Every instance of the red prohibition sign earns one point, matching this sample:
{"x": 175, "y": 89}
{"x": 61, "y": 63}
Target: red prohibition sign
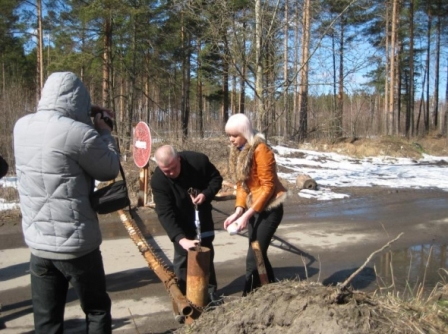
{"x": 141, "y": 148}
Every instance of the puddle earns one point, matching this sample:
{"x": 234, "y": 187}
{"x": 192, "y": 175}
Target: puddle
{"x": 362, "y": 210}
{"x": 412, "y": 271}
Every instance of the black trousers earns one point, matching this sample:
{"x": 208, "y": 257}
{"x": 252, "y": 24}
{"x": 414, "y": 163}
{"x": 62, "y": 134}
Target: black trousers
{"x": 49, "y": 285}
{"x": 180, "y": 262}
{"x": 261, "y": 227}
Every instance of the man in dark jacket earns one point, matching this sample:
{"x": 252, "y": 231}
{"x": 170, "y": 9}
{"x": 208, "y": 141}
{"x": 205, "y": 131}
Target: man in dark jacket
{"x": 59, "y": 153}
{"x": 176, "y": 173}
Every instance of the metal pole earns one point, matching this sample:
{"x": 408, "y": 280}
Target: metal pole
{"x": 198, "y": 273}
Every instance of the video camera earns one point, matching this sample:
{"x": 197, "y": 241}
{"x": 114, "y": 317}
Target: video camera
{"x": 96, "y": 111}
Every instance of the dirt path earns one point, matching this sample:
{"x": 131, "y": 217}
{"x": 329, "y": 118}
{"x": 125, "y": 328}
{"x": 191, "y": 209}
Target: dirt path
{"x": 331, "y": 238}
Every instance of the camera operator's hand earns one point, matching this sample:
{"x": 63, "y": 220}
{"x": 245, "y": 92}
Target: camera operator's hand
{"x": 94, "y": 110}
{"x": 102, "y": 117}
{"x": 100, "y": 123}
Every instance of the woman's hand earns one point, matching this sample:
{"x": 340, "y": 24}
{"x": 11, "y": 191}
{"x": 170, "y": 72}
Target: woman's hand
{"x": 238, "y": 212}
{"x": 230, "y": 220}
{"x": 243, "y": 220}
{"x": 242, "y": 223}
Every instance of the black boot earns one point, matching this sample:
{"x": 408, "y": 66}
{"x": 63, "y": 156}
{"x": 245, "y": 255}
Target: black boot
{"x": 214, "y": 299}
{"x": 252, "y": 283}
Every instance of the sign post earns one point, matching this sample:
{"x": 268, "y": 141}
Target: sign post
{"x": 141, "y": 150}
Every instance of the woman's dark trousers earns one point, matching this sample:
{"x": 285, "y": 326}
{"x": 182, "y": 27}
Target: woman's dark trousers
{"x": 261, "y": 227}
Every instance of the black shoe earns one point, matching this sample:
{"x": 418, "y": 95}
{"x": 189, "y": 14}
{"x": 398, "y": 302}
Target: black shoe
{"x": 215, "y": 300}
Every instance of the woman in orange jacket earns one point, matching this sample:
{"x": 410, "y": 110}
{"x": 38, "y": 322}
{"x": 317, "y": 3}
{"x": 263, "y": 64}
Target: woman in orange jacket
{"x": 259, "y": 194}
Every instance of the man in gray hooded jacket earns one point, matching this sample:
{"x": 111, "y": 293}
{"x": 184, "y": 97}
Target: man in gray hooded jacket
{"x": 59, "y": 153}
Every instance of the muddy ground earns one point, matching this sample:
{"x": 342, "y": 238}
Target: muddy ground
{"x": 301, "y": 306}
{"x": 304, "y": 308}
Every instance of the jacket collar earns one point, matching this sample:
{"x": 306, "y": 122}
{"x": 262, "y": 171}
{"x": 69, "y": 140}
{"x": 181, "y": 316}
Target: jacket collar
{"x": 240, "y": 161}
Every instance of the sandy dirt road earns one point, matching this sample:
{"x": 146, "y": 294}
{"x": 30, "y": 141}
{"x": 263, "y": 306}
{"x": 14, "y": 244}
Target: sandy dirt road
{"x": 319, "y": 241}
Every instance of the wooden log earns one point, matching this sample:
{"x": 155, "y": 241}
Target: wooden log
{"x": 228, "y": 184}
{"x": 225, "y": 195}
{"x": 304, "y": 181}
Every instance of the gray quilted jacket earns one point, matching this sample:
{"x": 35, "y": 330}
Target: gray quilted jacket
{"x": 58, "y": 155}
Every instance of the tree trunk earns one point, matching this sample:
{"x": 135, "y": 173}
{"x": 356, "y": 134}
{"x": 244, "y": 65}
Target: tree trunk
{"x": 303, "y": 90}
{"x": 398, "y": 81}
{"x": 40, "y": 60}
{"x": 338, "y": 131}
{"x": 335, "y": 81}
{"x": 296, "y": 69}
{"x": 233, "y": 100}
{"x": 428, "y": 63}
{"x": 225, "y": 92}
{"x": 242, "y": 100}
{"x": 386, "y": 70}
{"x": 392, "y": 72}
{"x": 199, "y": 92}
{"x": 106, "y": 59}
{"x": 410, "y": 115}
{"x": 446, "y": 106}
{"x": 437, "y": 68}
{"x": 259, "y": 65}
{"x": 185, "y": 103}
{"x": 286, "y": 111}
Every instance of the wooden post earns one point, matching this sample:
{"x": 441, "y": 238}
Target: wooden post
{"x": 143, "y": 191}
{"x": 260, "y": 263}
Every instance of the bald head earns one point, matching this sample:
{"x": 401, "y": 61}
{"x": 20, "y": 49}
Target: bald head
{"x": 168, "y": 161}
{"x": 164, "y": 154}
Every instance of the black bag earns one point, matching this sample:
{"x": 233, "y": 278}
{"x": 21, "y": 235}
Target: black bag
{"x": 112, "y": 197}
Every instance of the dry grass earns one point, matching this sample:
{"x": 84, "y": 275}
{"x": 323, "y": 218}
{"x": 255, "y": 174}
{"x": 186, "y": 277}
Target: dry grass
{"x": 9, "y": 194}
{"x": 418, "y": 315}
{"x": 384, "y": 146}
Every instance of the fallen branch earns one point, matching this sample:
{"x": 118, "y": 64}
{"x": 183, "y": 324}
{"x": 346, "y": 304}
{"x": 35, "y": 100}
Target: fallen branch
{"x": 342, "y": 287}
{"x": 347, "y": 281}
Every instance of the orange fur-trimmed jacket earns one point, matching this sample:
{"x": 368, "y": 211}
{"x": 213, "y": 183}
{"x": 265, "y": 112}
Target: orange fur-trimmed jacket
{"x": 255, "y": 172}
